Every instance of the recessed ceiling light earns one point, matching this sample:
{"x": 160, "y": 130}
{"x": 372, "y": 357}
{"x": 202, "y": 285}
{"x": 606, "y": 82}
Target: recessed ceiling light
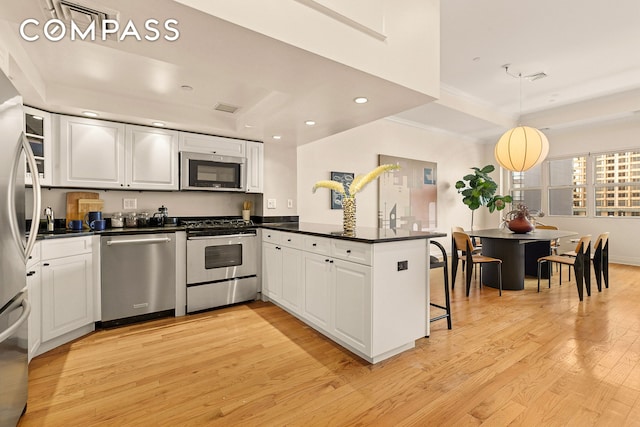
{"x": 476, "y": 59}
{"x": 248, "y": 126}
{"x": 277, "y": 137}
{"x": 158, "y": 124}
{"x": 37, "y": 117}
{"x": 90, "y": 114}
{"x": 360, "y": 100}
{"x": 186, "y": 88}
{"x": 309, "y": 123}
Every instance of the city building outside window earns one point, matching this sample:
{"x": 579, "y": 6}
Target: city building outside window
{"x": 617, "y": 184}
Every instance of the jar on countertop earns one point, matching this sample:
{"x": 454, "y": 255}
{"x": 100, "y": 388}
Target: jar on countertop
{"x": 117, "y": 220}
{"x": 131, "y": 220}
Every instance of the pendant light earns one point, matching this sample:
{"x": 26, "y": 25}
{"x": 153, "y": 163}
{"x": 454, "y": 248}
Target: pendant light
{"x": 523, "y": 147}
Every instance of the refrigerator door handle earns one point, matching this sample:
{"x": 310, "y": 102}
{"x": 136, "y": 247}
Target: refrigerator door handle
{"x": 23, "y": 145}
{"x": 26, "y": 309}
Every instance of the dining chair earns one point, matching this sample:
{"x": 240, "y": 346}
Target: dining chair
{"x": 460, "y": 255}
{"x": 599, "y": 259}
{"x": 580, "y": 265}
{"x": 555, "y": 243}
{"x": 462, "y": 242}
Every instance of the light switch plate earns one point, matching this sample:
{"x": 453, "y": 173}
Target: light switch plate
{"x": 129, "y": 203}
{"x": 271, "y": 203}
{"x": 289, "y": 203}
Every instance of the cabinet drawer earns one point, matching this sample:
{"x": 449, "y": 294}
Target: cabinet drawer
{"x": 352, "y": 251}
{"x": 64, "y": 247}
{"x": 318, "y": 245}
{"x": 291, "y": 240}
{"x": 271, "y": 236}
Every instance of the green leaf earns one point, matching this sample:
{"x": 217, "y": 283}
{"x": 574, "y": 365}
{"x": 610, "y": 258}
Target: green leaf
{"x": 460, "y": 185}
{"x": 488, "y": 169}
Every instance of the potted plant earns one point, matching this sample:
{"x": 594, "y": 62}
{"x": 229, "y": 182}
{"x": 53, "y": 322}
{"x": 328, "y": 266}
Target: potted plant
{"x": 479, "y": 189}
{"x": 521, "y": 219}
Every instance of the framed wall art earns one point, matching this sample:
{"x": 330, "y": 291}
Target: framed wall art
{"x": 345, "y": 178}
{"x": 407, "y": 197}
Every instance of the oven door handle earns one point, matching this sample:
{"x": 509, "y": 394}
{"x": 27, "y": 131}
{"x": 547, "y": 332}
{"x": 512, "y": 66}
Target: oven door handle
{"x": 222, "y": 236}
{"x": 138, "y": 241}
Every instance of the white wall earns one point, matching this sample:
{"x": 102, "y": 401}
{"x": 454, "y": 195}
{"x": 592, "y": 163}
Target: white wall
{"x": 357, "y": 150}
{"x": 184, "y": 203}
{"x": 279, "y": 179}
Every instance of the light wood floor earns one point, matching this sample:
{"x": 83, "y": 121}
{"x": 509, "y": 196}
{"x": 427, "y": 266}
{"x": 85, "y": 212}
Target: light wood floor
{"x": 524, "y": 359}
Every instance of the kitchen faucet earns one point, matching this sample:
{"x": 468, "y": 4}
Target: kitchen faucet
{"x": 50, "y": 219}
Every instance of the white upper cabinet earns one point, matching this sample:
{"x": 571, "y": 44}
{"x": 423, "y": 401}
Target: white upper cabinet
{"x": 197, "y": 143}
{"x": 91, "y": 153}
{"x": 255, "y": 167}
{"x": 38, "y": 129}
{"x": 151, "y": 157}
{"x": 102, "y": 154}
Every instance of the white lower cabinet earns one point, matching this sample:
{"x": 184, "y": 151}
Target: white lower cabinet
{"x": 355, "y": 293}
{"x": 272, "y": 271}
{"x": 281, "y": 270}
{"x": 67, "y": 290}
{"x": 316, "y": 285}
{"x": 351, "y": 293}
{"x": 34, "y": 294}
{"x": 337, "y": 298}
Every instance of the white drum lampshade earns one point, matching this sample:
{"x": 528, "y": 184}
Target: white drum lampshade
{"x": 521, "y": 148}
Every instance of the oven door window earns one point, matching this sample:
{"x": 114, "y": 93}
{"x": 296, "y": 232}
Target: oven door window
{"x": 222, "y": 256}
{"x": 205, "y": 173}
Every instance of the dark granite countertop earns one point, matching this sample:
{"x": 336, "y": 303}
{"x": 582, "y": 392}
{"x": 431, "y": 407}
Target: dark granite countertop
{"x": 61, "y": 233}
{"x": 362, "y": 234}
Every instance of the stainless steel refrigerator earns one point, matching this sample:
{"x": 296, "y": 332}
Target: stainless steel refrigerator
{"x": 15, "y": 249}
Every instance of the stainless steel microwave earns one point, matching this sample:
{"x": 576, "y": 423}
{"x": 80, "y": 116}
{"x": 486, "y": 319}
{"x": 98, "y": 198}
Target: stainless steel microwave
{"x": 211, "y": 172}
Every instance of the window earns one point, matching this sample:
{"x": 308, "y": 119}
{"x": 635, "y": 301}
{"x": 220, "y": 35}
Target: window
{"x": 617, "y": 191}
{"x": 526, "y": 188}
{"x": 567, "y": 186}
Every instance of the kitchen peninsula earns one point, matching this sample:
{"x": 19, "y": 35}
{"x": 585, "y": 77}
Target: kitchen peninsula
{"x": 368, "y": 292}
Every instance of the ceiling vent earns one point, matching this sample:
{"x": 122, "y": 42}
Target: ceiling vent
{"x": 535, "y": 76}
{"x": 81, "y": 14}
{"x": 226, "y": 108}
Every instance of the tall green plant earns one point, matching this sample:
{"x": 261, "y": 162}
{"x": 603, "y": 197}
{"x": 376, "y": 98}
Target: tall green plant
{"x": 479, "y": 189}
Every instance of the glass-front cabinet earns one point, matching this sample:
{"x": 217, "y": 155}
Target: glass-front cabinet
{"x": 38, "y": 132}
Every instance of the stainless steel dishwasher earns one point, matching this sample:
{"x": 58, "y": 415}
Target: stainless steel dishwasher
{"x": 138, "y": 277}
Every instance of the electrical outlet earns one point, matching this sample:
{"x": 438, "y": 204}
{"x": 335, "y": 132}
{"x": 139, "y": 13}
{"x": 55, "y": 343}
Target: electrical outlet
{"x": 129, "y": 203}
{"x": 271, "y": 203}
{"x": 289, "y": 203}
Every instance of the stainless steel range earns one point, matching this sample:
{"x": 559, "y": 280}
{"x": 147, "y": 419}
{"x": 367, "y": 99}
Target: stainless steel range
{"x": 222, "y": 263}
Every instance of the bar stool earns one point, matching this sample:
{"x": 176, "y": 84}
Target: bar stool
{"x": 434, "y": 262}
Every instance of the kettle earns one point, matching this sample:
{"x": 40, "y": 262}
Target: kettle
{"x": 160, "y": 217}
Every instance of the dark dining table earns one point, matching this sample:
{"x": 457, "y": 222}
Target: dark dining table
{"x": 519, "y": 254}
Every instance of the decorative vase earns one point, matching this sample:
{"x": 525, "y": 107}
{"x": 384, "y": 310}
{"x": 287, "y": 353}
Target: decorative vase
{"x": 520, "y": 225}
{"x": 349, "y": 215}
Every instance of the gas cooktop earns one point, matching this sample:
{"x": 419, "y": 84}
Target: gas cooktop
{"x": 215, "y": 226}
